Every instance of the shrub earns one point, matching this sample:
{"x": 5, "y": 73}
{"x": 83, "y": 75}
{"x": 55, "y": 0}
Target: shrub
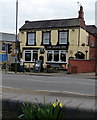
{"x": 43, "y": 111}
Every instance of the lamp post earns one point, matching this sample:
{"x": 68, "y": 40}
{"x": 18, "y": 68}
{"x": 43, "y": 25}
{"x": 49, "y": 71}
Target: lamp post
{"x": 16, "y": 36}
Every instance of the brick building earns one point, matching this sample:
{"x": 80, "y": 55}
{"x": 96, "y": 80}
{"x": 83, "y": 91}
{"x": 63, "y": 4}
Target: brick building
{"x": 7, "y": 38}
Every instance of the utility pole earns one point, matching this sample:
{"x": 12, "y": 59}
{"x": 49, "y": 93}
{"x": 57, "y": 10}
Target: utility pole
{"x": 6, "y": 57}
{"x": 16, "y": 36}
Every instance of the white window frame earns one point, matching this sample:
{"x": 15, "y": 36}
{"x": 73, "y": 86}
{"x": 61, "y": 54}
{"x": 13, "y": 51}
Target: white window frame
{"x": 52, "y": 51}
{"x": 46, "y": 38}
{"x": 65, "y": 38}
{"x": 31, "y": 51}
{"x": 31, "y": 37}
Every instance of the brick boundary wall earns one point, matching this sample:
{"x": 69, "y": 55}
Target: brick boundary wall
{"x": 81, "y": 66}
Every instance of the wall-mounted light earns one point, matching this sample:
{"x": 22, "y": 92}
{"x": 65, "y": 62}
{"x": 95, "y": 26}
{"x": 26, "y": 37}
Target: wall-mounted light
{"x": 41, "y": 50}
{"x": 73, "y": 30}
{"x": 22, "y": 32}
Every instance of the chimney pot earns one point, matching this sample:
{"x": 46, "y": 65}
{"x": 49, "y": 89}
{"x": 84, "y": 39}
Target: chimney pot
{"x": 81, "y": 13}
{"x": 26, "y": 21}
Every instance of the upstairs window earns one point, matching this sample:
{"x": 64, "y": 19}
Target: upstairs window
{"x": 31, "y": 38}
{"x": 46, "y": 38}
{"x": 63, "y": 37}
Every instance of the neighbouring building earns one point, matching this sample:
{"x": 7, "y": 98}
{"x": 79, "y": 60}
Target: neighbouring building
{"x": 92, "y": 29}
{"x": 7, "y": 38}
{"x": 55, "y": 41}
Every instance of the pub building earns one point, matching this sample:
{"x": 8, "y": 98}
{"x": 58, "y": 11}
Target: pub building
{"x": 54, "y": 41}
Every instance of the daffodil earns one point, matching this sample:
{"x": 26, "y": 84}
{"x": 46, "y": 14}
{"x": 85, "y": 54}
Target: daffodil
{"x": 58, "y": 101}
{"x": 54, "y": 104}
{"x": 60, "y": 104}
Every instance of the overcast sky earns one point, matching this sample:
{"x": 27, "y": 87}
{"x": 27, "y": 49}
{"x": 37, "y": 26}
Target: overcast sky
{"x": 42, "y": 10}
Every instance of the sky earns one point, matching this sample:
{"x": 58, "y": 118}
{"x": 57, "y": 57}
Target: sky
{"x": 33, "y": 10}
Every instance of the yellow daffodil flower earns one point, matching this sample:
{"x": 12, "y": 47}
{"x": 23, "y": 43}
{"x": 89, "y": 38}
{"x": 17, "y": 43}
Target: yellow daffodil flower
{"x": 54, "y": 104}
{"x": 60, "y": 104}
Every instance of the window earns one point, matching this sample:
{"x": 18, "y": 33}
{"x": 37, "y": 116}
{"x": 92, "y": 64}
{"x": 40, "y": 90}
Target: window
{"x": 35, "y": 55}
{"x": 31, "y": 38}
{"x": 92, "y": 43}
{"x": 49, "y": 56}
{"x": 3, "y": 46}
{"x": 31, "y": 56}
{"x": 27, "y": 55}
{"x": 46, "y": 38}
{"x": 63, "y": 56}
{"x": 63, "y": 37}
{"x": 56, "y": 56}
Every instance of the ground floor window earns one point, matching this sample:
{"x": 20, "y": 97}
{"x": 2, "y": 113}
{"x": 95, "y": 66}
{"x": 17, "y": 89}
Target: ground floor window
{"x": 56, "y": 56}
{"x": 31, "y": 55}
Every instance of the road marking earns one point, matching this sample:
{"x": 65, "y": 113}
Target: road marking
{"x": 51, "y": 91}
{"x": 77, "y": 93}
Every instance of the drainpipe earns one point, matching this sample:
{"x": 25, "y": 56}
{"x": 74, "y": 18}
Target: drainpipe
{"x": 79, "y": 36}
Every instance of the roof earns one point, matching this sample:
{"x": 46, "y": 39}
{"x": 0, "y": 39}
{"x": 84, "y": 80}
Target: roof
{"x": 92, "y": 29}
{"x": 48, "y": 24}
{"x": 7, "y": 37}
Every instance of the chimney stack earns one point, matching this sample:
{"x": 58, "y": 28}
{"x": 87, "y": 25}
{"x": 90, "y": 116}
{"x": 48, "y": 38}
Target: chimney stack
{"x": 81, "y": 13}
{"x": 26, "y": 21}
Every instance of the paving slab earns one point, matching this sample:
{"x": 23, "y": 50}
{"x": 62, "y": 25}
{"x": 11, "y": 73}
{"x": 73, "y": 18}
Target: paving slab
{"x": 87, "y": 105}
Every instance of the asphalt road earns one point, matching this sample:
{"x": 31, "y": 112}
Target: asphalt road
{"x": 50, "y": 83}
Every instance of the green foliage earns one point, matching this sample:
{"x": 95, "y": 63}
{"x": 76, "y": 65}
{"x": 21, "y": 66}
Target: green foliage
{"x": 42, "y": 111}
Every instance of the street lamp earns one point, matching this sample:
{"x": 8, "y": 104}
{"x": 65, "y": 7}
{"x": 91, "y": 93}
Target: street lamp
{"x": 16, "y": 36}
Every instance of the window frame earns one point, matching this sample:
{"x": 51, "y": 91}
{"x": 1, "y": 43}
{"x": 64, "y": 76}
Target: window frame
{"x": 30, "y": 51}
{"x": 28, "y": 43}
{"x": 52, "y": 51}
{"x": 49, "y": 39}
{"x": 59, "y": 39}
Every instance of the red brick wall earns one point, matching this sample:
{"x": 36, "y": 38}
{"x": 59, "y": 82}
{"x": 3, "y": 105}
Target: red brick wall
{"x": 93, "y": 53}
{"x": 93, "y": 49}
{"x": 91, "y": 40}
{"x": 81, "y": 66}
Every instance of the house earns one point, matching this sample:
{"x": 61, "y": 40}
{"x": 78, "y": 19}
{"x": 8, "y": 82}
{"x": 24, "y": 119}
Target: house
{"x": 92, "y": 29}
{"x": 5, "y": 39}
{"x": 55, "y": 41}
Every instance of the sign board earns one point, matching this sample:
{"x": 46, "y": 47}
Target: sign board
{"x": 56, "y": 47}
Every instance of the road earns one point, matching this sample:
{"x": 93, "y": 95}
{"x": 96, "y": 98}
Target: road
{"x": 50, "y": 83}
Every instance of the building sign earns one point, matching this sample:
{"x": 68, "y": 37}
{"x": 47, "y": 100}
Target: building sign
{"x": 56, "y": 47}
{"x": 3, "y": 57}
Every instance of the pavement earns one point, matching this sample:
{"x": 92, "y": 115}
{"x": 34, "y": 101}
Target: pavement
{"x": 75, "y": 106}
{"x": 60, "y": 73}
